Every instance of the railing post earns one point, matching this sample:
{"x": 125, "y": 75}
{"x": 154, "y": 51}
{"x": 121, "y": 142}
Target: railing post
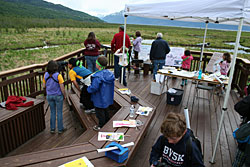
{"x": 32, "y": 83}
{"x": 5, "y": 90}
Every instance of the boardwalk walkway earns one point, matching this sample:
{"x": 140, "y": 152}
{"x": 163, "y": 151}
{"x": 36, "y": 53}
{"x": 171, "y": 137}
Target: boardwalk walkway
{"x": 204, "y": 118}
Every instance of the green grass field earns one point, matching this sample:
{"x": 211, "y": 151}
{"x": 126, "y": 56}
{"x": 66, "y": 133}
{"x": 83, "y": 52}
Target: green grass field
{"x": 70, "y": 39}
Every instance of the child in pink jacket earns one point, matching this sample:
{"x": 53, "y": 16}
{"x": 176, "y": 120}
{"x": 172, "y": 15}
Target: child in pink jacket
{"x": 224, "y": 68}
{"x": 225, "y": 63}
{"x": 186, "y": 64}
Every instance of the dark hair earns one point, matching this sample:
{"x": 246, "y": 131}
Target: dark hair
{"x": 227, "y": 57}
{"x": 52, "y": 67}
{"x": 121, "y": 28}
{"x": 91, "y": 36}
{"x": 187, "y": 53}
{"x": 174, "y": 125}
{"x": 137, "y": 34}
{"x": 102, "y": 60}
{"x": 73, "y": 61}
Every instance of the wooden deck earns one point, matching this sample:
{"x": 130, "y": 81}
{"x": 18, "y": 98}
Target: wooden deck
{"x": 204, "y": 118}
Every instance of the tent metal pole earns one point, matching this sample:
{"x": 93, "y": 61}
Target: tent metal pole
{"x": 203, "y": 45}
{"x": 228, "y": 87}
{"x": 123, "y": 46}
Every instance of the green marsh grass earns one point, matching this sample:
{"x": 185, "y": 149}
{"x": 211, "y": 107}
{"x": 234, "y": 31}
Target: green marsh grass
{"x": 69, "y": 39}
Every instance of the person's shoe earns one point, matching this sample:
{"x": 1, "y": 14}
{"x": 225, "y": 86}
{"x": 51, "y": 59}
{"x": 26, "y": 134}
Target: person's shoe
{"x": 116, "y": 79}
{"x": 61, "y": 131}
{"x": 52, "y": 131}
{"x": 82, "y": 106}
{"x": 96, "y": 128}
{"x": 89, "y": 111}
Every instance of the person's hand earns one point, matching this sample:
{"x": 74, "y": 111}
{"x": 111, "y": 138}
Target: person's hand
{"x": 152, "y": 165}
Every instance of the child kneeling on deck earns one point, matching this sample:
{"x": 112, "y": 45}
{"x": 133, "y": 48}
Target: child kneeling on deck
{"x": 171, "y": 148}
{"x": 102, "y": 91}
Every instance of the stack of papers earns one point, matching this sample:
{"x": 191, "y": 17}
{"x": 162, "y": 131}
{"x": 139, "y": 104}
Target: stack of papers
{"x": 81, "y": 162}
{"x": 144, "y": 110}
{"x": 171, "y": 90}
{"x": 124, "y": 91}
{"x": 110, "y": 136}
{"x": 124, "y": 123}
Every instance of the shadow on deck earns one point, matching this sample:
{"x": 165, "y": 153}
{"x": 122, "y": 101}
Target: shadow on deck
{"x": 204, "y": 118}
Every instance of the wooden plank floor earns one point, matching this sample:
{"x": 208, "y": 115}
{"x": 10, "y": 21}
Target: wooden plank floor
{"x": 204, "y": 118}
{"x": 45, "y": 140}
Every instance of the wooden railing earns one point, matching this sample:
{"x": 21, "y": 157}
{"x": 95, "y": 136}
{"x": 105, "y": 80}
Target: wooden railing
{"x": 27, "y": 81}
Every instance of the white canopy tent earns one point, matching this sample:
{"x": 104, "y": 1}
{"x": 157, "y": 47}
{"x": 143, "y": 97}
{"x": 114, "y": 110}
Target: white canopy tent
{"x": 213, "y": 11}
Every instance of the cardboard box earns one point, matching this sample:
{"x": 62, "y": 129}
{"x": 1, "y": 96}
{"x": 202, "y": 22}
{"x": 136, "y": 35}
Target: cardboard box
{"x": 158, "y": 88}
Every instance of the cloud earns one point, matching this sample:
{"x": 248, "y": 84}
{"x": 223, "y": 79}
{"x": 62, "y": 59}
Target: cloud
{"x": 94, "y": 7}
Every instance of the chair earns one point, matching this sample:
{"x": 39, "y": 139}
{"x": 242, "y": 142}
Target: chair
{"x": 204, "y": 87}
{"x": 136, "y": 65}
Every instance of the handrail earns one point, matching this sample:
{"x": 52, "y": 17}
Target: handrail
{"x": 28, "y": 80}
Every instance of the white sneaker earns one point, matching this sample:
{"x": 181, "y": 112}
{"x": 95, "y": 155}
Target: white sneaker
{"x": 90, "y": 111}
{"x": 96, "y": 128}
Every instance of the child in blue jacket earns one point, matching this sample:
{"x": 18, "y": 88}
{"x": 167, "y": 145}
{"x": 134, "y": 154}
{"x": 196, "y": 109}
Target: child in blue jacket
{"x": 102, "y": 91}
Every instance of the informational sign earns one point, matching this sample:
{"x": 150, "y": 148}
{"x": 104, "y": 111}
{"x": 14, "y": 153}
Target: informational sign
{"x": 144, "y": 53}
{"x": 173, "y": 58}
{"x": 214, "y": 63}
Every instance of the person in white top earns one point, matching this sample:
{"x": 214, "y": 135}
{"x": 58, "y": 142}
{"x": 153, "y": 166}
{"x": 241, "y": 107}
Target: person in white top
{"x": 123, "y": 62}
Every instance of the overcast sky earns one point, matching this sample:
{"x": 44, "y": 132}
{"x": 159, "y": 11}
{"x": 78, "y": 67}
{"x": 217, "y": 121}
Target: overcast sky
{"x": 94, "y": 7}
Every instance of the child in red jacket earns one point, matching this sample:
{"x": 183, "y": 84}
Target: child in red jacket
{"x": 186, "y": 64}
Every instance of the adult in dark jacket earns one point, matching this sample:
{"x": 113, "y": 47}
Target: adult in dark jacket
{"x": 170, "y": 148}
{"x": 159, "y": 50}
{"x": 92, "y": 51}
{"x": 102, "y": 91}
{"x": 242, "y": 135}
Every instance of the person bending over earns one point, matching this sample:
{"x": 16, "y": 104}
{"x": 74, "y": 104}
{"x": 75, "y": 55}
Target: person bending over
{"x": 170, "y": 148}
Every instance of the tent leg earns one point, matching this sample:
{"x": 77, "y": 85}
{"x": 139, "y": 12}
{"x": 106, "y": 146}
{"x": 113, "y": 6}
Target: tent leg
{"x": 123, "y": 46}
{"x": 203, "y": 45}
{"x": 229, "y": 85}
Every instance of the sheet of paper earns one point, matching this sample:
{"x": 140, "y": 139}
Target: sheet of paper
{"x": 81, "y": 162}
{"x": 124, "y": 123}
{"x": 110, "y": 136}
{"x": 144, "y": 110}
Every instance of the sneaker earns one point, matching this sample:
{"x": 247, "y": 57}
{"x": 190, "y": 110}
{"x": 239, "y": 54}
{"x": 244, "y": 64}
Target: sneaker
{"x": 52, "y": 131}
{"x": 61, "y": 131}
{"x": 96, "y": 128}
{"x": 89, "y": 111}
{"x": 82, "y": 106}
{"x": 116, "y": 79}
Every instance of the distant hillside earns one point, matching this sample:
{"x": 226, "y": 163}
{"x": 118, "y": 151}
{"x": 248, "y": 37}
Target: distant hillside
{"x": 118, "y": 18}
{"x": 40, "y": 9}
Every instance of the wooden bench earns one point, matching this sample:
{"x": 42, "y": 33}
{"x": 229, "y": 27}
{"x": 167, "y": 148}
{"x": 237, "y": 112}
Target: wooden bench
{"x": 58, "y": 156}
{"x": 18, "y": 126}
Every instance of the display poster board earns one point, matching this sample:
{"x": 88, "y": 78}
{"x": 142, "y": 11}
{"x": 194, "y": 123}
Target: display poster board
{"x": 173, "y": 58}
{"x": 144, "y": 53}
{"x": 213, "y": 65}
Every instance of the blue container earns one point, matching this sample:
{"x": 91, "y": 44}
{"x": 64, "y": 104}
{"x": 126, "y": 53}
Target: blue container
{"x": 118, "y": 155}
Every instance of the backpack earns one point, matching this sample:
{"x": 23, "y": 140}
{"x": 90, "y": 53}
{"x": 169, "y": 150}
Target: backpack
{"x": 190, "y": 149}
{"x": 243, "y": 107}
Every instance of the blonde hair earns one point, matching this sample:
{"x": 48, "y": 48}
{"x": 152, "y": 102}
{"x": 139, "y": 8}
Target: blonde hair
{"x": 174, "y": 125}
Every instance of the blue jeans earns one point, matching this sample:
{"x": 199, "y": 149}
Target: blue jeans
{"x": 118, "y": 71}
{"x": 91, "y": 63}
{"x": 56, "y": 106}
{"x": 157, "y": 64}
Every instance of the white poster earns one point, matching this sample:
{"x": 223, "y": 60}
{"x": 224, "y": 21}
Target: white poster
{"x": 213, "y": 64}
{"x": 173, "y": 58}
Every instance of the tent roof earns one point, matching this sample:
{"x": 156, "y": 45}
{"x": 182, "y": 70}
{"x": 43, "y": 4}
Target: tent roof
{"x": 216, "y": 11}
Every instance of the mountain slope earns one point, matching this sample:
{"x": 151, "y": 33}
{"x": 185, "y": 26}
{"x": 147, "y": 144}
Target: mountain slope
{"x": 118, "y": 18}
{"x": 41, "y": 9}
